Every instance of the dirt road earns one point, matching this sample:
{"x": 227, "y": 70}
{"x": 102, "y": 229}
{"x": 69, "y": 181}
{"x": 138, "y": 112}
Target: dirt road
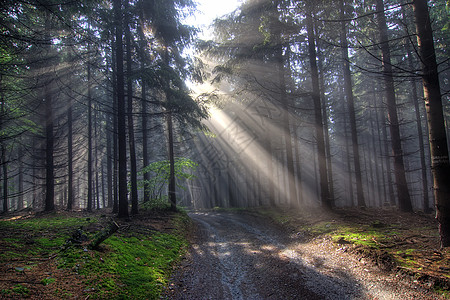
{"x": 243, "y": 256}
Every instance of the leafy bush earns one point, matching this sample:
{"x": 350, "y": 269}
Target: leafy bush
{"x": 160, "y": 176}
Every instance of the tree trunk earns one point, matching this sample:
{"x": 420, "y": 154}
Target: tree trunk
{"x": 70, "y": 154}
{"x": 145, "y": 157}
{"x": 348, "y": 87}
{"x": 172, "y": 192}
{"x": 3, "y": 163}
{"x": 89, "y": 158}
{"x": 109, "y": 163}
{"x": 115, "y": 136}
{"x": 390, "y": 184}
{"x": 349, "y": 163}
{"x": 324, "y": 191}
{"x": 20, "y": 204}
{"x": 49, "y": 137}
{"x": 270, "y": 165}
{"x": 144, "y": 120}
{"x": 377, "y": 161}
{"x": 404, "y": 199}
{"x": 382, "y": 159}
{"x": 5, "y": 179}
{"x": 133, "y": 175}
{"x": 281, "y": 73}
{"x": 415, "y": 100}
{"x": 325, "y": 125}
{"x": 440, "y": 165}
{"x": 121, "y": 129}
{"x": 95, "y": 170}
{"x": 102, "y": 235}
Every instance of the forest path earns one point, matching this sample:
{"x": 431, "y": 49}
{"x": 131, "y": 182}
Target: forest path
{"x": 245, "y": 256}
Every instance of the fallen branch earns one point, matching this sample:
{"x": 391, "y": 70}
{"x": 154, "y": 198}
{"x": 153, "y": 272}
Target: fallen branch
{"x": 102, "y": 235}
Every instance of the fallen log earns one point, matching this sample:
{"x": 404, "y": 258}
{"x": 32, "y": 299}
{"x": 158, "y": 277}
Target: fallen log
{"x": 102, "y": 235}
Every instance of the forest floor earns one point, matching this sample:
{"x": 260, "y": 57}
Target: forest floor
{"x": 287, "y": 254}
{"x": 405, "y": 244}
{"x": 38, "y": 262}
{"x": 242, "y": 254}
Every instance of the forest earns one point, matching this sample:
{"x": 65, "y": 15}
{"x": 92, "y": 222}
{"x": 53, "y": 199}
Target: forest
{"x": 299, "y": 103}
{"x": 123, "y": 105}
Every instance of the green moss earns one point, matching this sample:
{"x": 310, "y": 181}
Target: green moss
{"x": 52, "y": 222}
{"x": 129, "y": 266}
{"x": 405, "y": 258}
{"x": 321, "y": 228}
{"x": 17, "y": 290}
{"x": 50, "y": 243}
{"x": 48, "y": 280}
{"x": 38, "y": 237}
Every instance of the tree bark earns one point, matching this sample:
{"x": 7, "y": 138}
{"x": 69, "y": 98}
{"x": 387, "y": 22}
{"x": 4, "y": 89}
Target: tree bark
{"x": 325, "y": 125}
{"x": 145, "y": 157}
{"x": 415, "y": 99}
{"x": 440, "y": 165}
{"x": 115, "y": 135}
{"x": 109, "y": 163}
{"x": 404, "y": 199}
{"x": 121, "y": 129}
{"x": 20, "y": 204}
{"x": 144, "y": 120}
{"x": 70, "y": 154}
{"x": 3, "y": 163}
{"x": 132, "y": 147}
{"x": 102, "y": 235}
{"x": 89, "y": 158}
{"x": 348, "y": 87}
{"x": 172, "y": 192}
{"x": 281, "y": 73}
{"x": 323, "y": 180}
{"x": 5, "y": 180}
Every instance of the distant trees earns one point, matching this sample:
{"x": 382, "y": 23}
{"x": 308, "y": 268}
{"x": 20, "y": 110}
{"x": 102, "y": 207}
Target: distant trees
{"x": 71, "y": 68}
{"x": 88, "y": 87}
{"x": 365, "y": 78}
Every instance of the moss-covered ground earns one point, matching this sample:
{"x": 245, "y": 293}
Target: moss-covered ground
{"x": 135, "y": 263}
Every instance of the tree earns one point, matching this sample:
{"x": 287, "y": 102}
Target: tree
{"x": 284, "y": 101}
{"x": 438, "y": 141}
{"x": 49, "y": 135}
{"x": 420, "y": 132}
{"x": 348, "y": 88}
{"x": 403, "y": 195}
{"x": 90, "y": 186}
{"x": 172, "y": 37}
{"x": 131, "y": 140}
{"x": 315, "y": 94}
{"x": 121, "y": 129}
